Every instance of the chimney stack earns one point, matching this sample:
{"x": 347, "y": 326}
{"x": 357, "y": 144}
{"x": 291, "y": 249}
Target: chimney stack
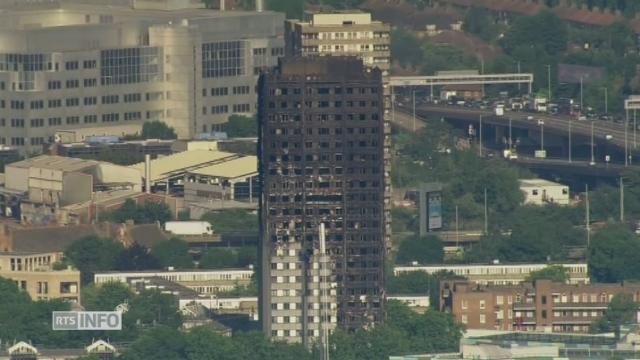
{"x": 222, "y": 5}
{"x": 259, "y": 5}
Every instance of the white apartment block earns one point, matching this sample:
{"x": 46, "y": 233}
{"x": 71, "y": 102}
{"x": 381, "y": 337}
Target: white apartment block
{"x": 108, "y": 66}
{"x": 341, "y": 34}
{"x": 498, "y": 274}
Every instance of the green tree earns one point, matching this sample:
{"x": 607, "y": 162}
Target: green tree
{"x": 404, "y": 219}
{"x": 555, "y": 273}
{"x": 426, "y": 250}
{"x": 159, "y": 343}
{"x": 173, "y": 252}
{"x": 91, "y": 254}
{"x": 479, "y": 21}
{"x": 151, "y": 307}
{"x": 241, "y": 126}
{"x": 621, "y": 310}
{"x": 406, "y": 48}
{"x": 232, "y": 220}
{"x": 136, "y": 257}
{"x": 105, "y": 297}
{"x": 543, "y": 31}
{"x": 614, "y": 254}
{"x": 203, "y": 343}
{"x": 229, "y": 257}
{"x": 147, "y": 213}
{"x": 418, "y": 283}
{"x": 157, "y": 130}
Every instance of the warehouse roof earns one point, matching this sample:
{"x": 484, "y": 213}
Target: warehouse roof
{"x": 186, "y": 161}
{"x": 232, "y": 169}
{"x": 54, "y": 162}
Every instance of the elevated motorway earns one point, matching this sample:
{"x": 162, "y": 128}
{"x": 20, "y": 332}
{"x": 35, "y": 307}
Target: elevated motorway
{"x": 609, "y": 132}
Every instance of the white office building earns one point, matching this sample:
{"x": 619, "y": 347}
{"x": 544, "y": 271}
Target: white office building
{"x": 105, "y": 67}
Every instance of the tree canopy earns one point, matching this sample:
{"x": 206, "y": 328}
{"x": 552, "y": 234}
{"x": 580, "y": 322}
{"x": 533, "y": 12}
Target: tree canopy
{"x": 91, "y": 254}
{"x": 232, "y": 220}
{"x": 425, "y": 250}
{"x": 173, "y": 252}
{"x": 620, "y": 311}
{"x": 157, "y": 130}
{"x": 555, "y": 273}
{"x": 614, "y": 254}
{"x": 241, "y": 126}
{"x": 146, "y": 213}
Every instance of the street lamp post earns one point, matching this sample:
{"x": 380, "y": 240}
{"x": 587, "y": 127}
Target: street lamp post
{"x": 480, "y": 136}
{"x": 549, "y": 81}
{"x": 593, "y": 159}
{"x": 606, "y": 102}
{"x": 413, "y": 95}
{"x": 569, "y": 139}
{"x": 626, "y": 130}
{"x": 581, "y": 97}
{"x": 541, "y": 123}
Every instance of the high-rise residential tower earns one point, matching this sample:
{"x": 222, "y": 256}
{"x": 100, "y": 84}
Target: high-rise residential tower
{"x": 321, "y": 147}
{"x": 107, "y": 66}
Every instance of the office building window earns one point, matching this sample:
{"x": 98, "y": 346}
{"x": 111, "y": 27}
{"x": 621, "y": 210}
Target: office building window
{"x": 220, "y": 91}
{"x": 24, "y": 62}
{"x": 110, "y": 117}
{"x": 37, "y": 123}
{"x": 36, "y": 141}
{"x": 17, "y": 123}
{"x": 90, "y": 100}
{"x": 226, "y": 58}
{"x": 241, "y": 90}
{"x": 17, "y": 141}
{"x": 17, "y": 104}
{"x": 55, "y": 103}
{"x": 90, "y": 82}
{"x": 131, "y": 65}
{"x": 73, "y": 120}
{"x": 72, "y": 84}
{"x": 72, "y": 102}
{"x": 54, "y": 85}
{"x": 133, "y": 115}
{"x": 89, "y": 64}
{"x": 90, "y": 119}
{"x": 71, "y": 65}
{"x": 220, "y": 109}
{"x": 37, "y": 104}
{"x": 55, "y": 121}
{"x": 241, "y": 108}
{"x": 110, "y": 99}
{"x": 134, "y": 97}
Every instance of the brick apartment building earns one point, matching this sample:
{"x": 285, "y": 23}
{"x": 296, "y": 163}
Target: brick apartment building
{"x": 539, "y": 306}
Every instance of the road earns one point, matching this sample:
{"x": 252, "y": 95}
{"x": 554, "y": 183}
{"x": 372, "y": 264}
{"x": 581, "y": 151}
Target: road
{"x": 602, "y": 130}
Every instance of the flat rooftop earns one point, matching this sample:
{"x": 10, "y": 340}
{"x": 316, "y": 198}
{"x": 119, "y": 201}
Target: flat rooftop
{"x": 54, "y": 162}
{"x": 182, "y": 162}
{"x": 49, "y": 14}
{"x": 538, "y": 183}
{"x": 242, "y": 167}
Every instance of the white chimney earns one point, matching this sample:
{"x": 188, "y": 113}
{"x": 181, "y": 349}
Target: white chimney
{"x": 222, "y": 5}
{"x": 259, "y": 5}
{"x": 147, "y": 173}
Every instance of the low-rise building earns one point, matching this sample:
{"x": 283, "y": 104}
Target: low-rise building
{"x": 46, "y": 183}
{"x": 541, "y": 192}
{"x": 23, "y": 350}
{"x": 34, "y": 273}
{"x": 201, "y": 281}
{"x": 418, "y": 302}
{"x": 498, "y": 274}
{"x": 539, "y": 306}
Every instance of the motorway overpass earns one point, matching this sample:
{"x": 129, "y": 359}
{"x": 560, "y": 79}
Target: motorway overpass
{"x": 553, "y": 124}
{"x": 603, "y": 131}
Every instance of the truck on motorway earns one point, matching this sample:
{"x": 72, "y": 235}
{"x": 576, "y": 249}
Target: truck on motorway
{"x": 499, "y": 109}
{"x": 540, "y": 104}
{"x": 188, "y": 227}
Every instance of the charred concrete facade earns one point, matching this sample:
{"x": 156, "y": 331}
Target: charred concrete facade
{"x": 321, "y": 156}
